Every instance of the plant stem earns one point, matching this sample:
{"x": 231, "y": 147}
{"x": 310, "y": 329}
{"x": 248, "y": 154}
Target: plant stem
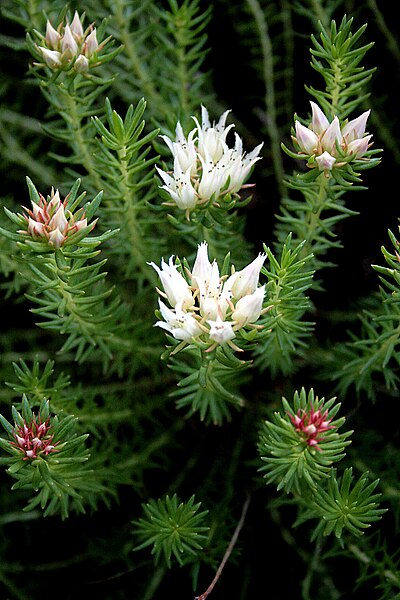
{"x": 312, "y": 218}
{"x": 228, "y": 552}
{"x": 149, "y": 91}
{"x": 270, "y": 100}
{"x": 78, "y": 141}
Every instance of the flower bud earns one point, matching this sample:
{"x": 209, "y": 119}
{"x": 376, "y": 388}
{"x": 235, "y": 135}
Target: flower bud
{"x": 76, "y": 27}
{"x": 81, "y": 64}
{"x": 52, "y": 36}
{"x": 52, "y": 58}
{"x": 331, "y": 136}
{"x": 359, "y": 147}
{"x": 68, "y": 43}
{"x": 56, "y": 238}
{"x": 355, "y": 128}
{"x": 325, "y": 161}
{"x": 319, "y": 122}
{"x": 91, "y": 45}
{"x": 245, "y": 282}
{"x": 306, "y": 139}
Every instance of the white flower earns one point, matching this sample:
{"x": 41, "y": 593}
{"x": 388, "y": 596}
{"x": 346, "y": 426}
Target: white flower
{"x": 175, "y": 286}
{"x": 212, "y": 307}
{"x": 179, "y": 187}
{"x": 248, "y": 308}
{"x": 221, "y": 331}
{"x": 240, "y": 164}
{"x": 211, "y": 138}
{"x": 182, "y": 325}
{"x": 182, "y": 149}
{"x": 244, "y": 282}
{"x": 205, "y": 167}
{"x": 213, "y": 295}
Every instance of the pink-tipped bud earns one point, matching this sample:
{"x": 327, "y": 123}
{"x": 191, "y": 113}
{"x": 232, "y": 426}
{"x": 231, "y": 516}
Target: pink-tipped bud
{"x": 332, "y": 136}
{"x": 359, "y": 147}
{"x": 356, "y": 128}
{"x": 68, "y": 43}
{"x": 52, "y": 58}
{"x": 306, "y": 139}
{"x": 58, "y": 220}
{"x": 81, "y": 64}
{"x": 325, "y": 162}
{"x": 35, "y": 228}
{"x": 319, "y": 121}
{"x": 76, "y": 27}
{"x": 38, "y": 212}
{"x": 52, "y": 36}
{"x": 20, "y": 441}
{"x": 54, "y": 202}
{"x": 56, "y": 238}
{"x": 91, "y": 45}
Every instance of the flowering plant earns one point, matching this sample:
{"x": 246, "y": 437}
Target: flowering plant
{"x": 200, "y": 309}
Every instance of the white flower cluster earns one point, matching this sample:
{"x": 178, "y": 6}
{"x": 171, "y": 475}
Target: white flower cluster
{"x": 205, "y": 167}
{"x": 69, "y": 46}
{"x": 206, "y": 305}
{"x": 331, "y": 144}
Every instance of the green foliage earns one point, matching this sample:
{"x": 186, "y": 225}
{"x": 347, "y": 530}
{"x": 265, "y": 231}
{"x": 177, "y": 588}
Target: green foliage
{"x": 174, "y": 529}
{"x": 123, "y": 163}
{"x": 208, "y": 383}
{"x": 345, "y": 507}
{"x": 371, "y": 354}
{"x": 336, "y": 56}
{"x": 183, "y": 40}
{"x": 105, "y": 422}
{"x": 34, "y": 382}
{"x": 284, "y": 324}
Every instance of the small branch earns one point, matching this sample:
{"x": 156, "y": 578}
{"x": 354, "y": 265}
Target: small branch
{"x": 228, "y": 551}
